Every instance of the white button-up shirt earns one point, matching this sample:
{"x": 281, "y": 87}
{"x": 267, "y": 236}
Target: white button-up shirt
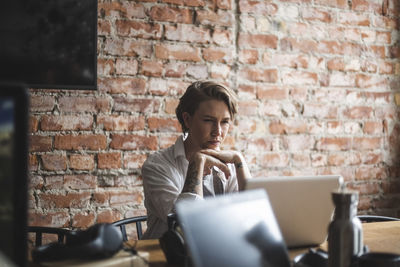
{"x": 164, "y": 174}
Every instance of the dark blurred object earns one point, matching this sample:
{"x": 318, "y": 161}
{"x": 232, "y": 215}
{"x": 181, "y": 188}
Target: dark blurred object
{"x": 97, "y": 242}
{"x": 173, "y": 245}
{"x": 313, "y": 258}
{"x": 345, "y": 237}
{"x": 14, "y": 108}
{"x": 49, "y": 44}
{"x": 137, "y": 220}
{"x": 376, "y": 218}
{"x": 40, "y": 230}
{"x": 234, "y": 230}
{"x": 375, "y": 259}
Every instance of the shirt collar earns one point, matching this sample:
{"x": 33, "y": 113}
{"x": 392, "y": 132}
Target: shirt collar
{"x": 179, "y": 148}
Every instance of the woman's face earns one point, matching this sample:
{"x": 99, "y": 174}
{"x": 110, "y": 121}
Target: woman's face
{"x": 209, "y": 124}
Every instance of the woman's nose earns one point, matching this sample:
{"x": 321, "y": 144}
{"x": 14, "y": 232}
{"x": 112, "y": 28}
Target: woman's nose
{"x": 217, "y": 129}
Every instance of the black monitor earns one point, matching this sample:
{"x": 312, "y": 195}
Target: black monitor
{"x": 49, "y": 44}
{"x": 13, "y": 172}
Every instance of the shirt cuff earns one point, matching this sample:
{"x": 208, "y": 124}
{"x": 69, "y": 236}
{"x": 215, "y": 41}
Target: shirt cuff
{"x": 188, "y": 196}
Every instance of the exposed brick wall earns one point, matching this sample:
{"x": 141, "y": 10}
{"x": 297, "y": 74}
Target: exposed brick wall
{"x": 319, "y": 91}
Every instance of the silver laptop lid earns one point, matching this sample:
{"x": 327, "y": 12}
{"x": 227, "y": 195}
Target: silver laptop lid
{"x": 238, "y": 229}
{"x": 302, "y": 205}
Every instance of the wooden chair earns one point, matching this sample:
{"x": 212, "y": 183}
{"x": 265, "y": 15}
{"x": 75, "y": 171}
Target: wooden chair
{"x": 137, "y": 220}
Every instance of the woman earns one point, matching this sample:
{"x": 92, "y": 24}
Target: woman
{"x": 195, "y": 166}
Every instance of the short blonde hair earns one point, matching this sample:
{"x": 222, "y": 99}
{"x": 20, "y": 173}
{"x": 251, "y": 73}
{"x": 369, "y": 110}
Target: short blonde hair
{"x": 201, "y": 91}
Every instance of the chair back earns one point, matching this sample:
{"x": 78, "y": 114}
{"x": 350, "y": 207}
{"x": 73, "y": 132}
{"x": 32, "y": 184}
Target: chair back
{"x": 137, "y": 220}
{"x": 40, "y": 230}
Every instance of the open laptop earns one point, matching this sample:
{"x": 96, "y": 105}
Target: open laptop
{"x": 302, "y": 205}
{"x": 233, "y": 230}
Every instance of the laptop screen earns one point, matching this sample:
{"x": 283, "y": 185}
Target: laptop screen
{"x": 13, "y": 172}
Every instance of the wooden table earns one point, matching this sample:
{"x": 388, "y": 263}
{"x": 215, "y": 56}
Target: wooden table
{"x": 379, "y": 237}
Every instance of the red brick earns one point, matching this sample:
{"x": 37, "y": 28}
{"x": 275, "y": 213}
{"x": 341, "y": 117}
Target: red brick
{"x": 248, "y": 107}
{"x": 163, "y": 124}
{"x": 316, "y": 14}
{"x": 111, "y": 160}
{"x": 124, "y": 10}
{"x": 286, "y": 60}
{"x": 80, "y": 181}
{"x": 298, "y": 142}
{"x": 353, "y": 19}
{"x": 220, "y": 71}
{"x": 288, "y": 127}
{"x": 367, "y": 143}
{"x": 54, "y": 162}
{"x": 138, "y": 29}
{"x": 105, "y": 66}
{"x": 127, "y": 47}
{"x": 223, "y": 37}
{"x": 81, "y": 162}
{"x": 108, "y": 216}
{"x": 101, "y": 198}
{"x": 103, "y": 27}
{"x": 259, "y": 75}
{"x": 69, "y": 200}
{"x": 367, "y": 81}
{"x": 133, "y": 142}
{"x": 332, "y": 144}
{"x": 120, "y": 122}
{"x": 320, "y": 111}
{"x": 35, "y": 182}
{"x": 248, "y": 56}
{"x": 42, "y": 103}
{"x": 33, "y": 163}
{"x": 175, "y": 69}
{"x": 152, "y": 68}
{"x": 33, "y": 124}
{"x": 358, "y": 112}
{"x": 167, "y": 140}
{"x": 79, "y": 142}
{"x": 144, "y": 106}
{"x": 258, "y": 7}
{"x": 370, "y": 173}
{"x": 258, "y": 40}
{"x": 132, "y": 86}
{"x": 170, "y": 105}
{"x": 364, "y": 5}
{"x": 300, "y": 78}
{"x": 223, "y": 55}
{"x": 83, "y": 104}
{"x": 219, "y": 18}
{"x": 187, "y": 33}
{"x": 177, "y": 52}
{"x": 83, "y": 219}
{"x": 343, "y": 159}
{"x": 129, "y": 181}
{"x": 122, "y": 198}
{"x": 128, "y": 67}
{"x": 66, "y": 122}
{"x": 293, "y": 45}
{"x": 50, "y": 219}
{"x": 40, "y": 143}
{"x": 171, "y": 87}
{"x": 386, "y": 68}
{"x": 134, "y": 161}
{"x": 274, "y": 160}
{"x": 271, "y": 92}
{"x": 165, "y": 13}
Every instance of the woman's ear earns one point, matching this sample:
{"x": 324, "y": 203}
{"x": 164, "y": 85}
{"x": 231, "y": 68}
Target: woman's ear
{"x": 186, "y": 119}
